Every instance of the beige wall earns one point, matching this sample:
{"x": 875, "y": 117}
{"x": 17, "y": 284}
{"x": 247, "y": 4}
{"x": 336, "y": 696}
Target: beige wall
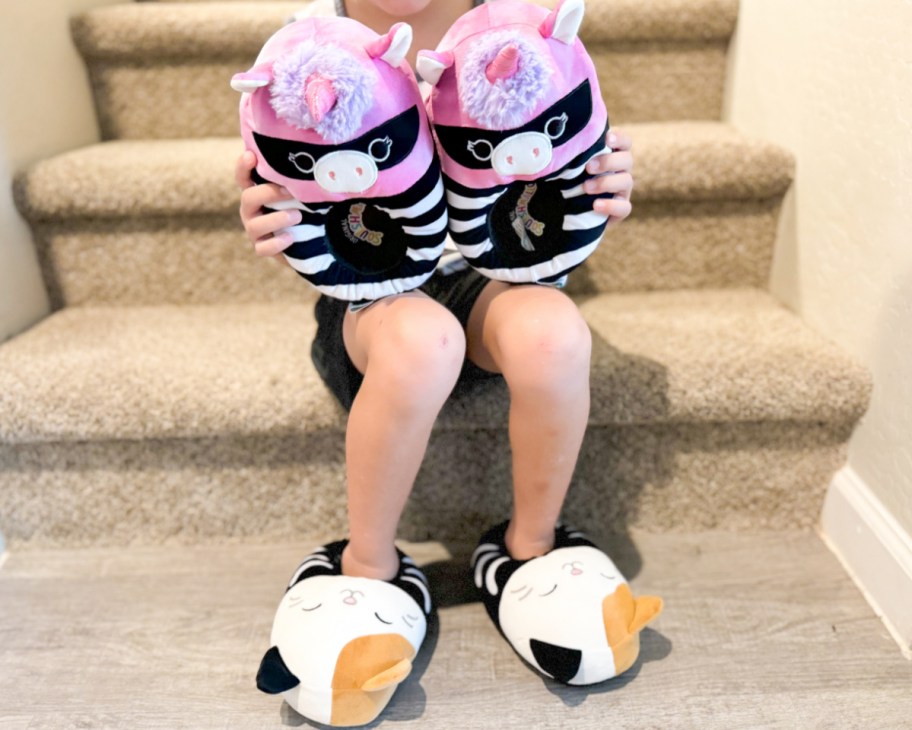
{"x": 45, "y": 108}
{"x": 832, "y": 81}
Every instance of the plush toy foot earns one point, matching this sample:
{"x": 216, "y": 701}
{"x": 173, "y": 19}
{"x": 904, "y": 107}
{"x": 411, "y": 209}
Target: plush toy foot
{"x": 341, "y": 645}
{"x": 568, "y": 613}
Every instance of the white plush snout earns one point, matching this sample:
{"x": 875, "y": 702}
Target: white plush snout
{"x": 345, "y": 172}
{"x": 522, "y": 154}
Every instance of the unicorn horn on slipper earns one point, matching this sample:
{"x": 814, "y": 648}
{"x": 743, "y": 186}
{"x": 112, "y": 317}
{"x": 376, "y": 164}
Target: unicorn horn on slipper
{"x": 319, "y": 95}
{"x": 504, "y": 65}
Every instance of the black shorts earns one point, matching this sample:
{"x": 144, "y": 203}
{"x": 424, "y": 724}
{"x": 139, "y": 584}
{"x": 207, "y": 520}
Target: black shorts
{"x": 457, "y": 292}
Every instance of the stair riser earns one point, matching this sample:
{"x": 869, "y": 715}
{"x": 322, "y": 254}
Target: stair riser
{"x": 170, "y": 99}
{"x": 157, "y": 261}
{"x": 686, "y": 477}
{"x": 208, "y": 260}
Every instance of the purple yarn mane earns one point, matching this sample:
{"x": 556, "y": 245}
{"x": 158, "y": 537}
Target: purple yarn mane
{"x": 509, "y": 101}
{"x": 352, "y": 84}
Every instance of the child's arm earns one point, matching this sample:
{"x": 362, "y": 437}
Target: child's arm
{"x": 261, "y": 226}
{"x": 619, "y": 181}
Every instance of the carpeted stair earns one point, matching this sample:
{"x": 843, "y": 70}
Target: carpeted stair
{"x": 171, "y": 396}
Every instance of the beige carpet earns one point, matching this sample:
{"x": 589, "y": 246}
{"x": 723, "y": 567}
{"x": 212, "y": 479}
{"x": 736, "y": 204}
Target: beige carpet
{"x": 171, "y": 397}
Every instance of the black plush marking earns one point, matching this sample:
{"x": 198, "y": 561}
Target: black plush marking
{"x": 560, "y": 663}
{"x": 577, "y": 105}
{"x": 274, "y": 675}
{"x": 402, "y": 131}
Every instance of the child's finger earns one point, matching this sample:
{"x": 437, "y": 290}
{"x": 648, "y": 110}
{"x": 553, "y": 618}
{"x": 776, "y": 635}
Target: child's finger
{"x": 273, "y": 245}
{"x": 615, "y": 208}
{"x": 242, "y": 169}
{"x": 259, "y": 196}
{"x": 615, "y": 162}
{"x": 620, "y": 183}
{"x": 619, "y": 141}
{"x": 266, "y": 225}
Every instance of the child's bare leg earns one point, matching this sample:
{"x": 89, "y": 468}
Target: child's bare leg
{"x": 537, "y": 338}
{"x": 410, "y": 349}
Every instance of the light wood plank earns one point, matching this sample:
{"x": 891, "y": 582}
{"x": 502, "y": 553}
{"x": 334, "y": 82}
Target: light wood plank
{"x": 759, "y": 631}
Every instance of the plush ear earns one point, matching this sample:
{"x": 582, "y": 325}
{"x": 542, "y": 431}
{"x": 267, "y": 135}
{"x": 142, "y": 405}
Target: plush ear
{"x": 393, "y": 46}
{"x": 564, "y": 21}
{"x": 248, "y": 81}
{"x": 274, "y": 675}
{"x": 431, "y": 65}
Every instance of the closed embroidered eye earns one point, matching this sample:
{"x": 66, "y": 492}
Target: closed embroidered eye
{"x": 387, "y": 146}
{"x": 306, "y": 164}
{"x": 555, "y": 126}
{"x": 609, "y": 577}
{"x": 527, "y": 589}
{"x": 388, "y": 623}
{"x": 478, "y": 155}
{"x": 296, "y": 602}
{"x": 542, "y": 595}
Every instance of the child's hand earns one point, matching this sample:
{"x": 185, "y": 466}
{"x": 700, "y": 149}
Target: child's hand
{"x": 261, "y": 226}
{"x": 618, "y": 180}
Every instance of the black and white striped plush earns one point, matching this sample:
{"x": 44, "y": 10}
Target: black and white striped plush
{"x": 529, "y": 231}
{"x": 333, "y": 248}
{"x": 327, "y": 560}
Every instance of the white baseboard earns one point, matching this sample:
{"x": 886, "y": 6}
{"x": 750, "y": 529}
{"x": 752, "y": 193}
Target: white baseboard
{"x": 874, "y": 549}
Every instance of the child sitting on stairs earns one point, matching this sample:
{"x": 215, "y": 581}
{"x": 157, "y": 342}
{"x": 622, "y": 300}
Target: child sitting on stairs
{"x": 459, "y": 325}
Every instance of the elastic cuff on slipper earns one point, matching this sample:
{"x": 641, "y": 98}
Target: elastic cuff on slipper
{"x": 568, "y": 613}
{"x": 341, "y": 645}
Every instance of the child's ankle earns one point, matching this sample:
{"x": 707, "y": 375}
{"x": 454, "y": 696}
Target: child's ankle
{"x": 525, "y": 547}
{"x": 380, "y": 567}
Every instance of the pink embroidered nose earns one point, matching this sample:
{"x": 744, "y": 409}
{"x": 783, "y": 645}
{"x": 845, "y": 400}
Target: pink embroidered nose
{"x": 535, "y": 152}
{"x": 351, "y": 601}
{"x": 509, "y": 159}
{"x": 576, "y": 571}
{"x": 360, "y": 171}
{"x": 332, "y": 175}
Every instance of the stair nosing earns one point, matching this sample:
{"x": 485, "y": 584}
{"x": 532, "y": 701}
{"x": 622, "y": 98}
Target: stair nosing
{"x": 713, "y": 21}
{"x": 470, "y": 417}
{"x": 76, "y": 199}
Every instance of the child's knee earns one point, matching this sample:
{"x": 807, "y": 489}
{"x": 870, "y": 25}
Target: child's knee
{"x": 548, "y": 349}
{"x": 419, "y": 354}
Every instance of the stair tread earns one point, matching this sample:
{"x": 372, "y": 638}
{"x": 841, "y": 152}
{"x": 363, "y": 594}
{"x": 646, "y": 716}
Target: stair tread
{"x": 192, "y": 177}
{"x": 198, "y": 371}
{"x": 141, "y": 31}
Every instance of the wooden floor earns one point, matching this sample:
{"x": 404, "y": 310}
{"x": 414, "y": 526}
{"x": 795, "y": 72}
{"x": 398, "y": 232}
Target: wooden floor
{"x": 759, "y": 631}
